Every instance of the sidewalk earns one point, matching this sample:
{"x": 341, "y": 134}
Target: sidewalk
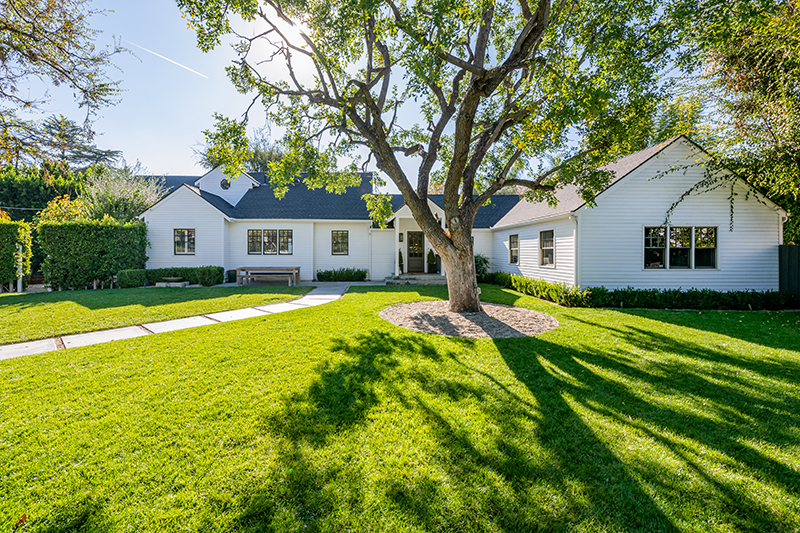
{"x": 318, "y": 296}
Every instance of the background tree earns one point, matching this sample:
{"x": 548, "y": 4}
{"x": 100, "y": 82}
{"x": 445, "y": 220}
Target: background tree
{"x": 53, "y": 41}
{"x": 261, "y": 152}
{"x": 481, "y": 92}
{"x": 121, "y": 193}
{"x": 749, "y": 73}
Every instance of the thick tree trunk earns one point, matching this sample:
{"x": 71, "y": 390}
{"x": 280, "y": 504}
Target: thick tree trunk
{"x": 462, "y": 287}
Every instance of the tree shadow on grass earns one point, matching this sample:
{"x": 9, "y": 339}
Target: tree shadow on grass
{"x": 495, "y": 459}
{"x": 698, "y": 415}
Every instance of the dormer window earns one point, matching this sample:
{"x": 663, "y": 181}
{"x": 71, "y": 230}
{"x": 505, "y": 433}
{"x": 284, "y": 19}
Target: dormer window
{"x": 225, "y": 184}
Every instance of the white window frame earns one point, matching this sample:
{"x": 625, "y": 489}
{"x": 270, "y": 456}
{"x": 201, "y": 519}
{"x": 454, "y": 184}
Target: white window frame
{"x": 542, "y": 248}
{"x": 175, "y": 242}
{"x": 512, "y": 249}
{"x": 692, "y": 250}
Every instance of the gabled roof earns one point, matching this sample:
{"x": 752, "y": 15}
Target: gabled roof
{"x": 488, "y": 215}
{"x": 569, "y": 200}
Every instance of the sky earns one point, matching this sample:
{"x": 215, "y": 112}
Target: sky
{"x": 164, "y": 106}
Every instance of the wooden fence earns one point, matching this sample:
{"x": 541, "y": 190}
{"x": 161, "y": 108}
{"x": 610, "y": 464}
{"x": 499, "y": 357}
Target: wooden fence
{"x": 789, "y": 267}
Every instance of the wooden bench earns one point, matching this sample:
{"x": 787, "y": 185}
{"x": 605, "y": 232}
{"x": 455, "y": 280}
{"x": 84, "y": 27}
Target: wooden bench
{"x": 291, "y": 274}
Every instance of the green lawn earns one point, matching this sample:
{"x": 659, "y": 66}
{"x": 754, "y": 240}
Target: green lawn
{"x": 25, "y": 317}
{"x": 330, "y": 419}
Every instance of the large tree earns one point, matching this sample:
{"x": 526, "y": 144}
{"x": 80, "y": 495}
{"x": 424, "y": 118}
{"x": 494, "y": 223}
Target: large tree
{"x": 485, "y": 93}
{"x": 52, "y": 41}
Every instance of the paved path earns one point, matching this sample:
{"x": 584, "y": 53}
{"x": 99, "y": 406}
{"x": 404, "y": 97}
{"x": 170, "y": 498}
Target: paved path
{"x": 317, "y": 296}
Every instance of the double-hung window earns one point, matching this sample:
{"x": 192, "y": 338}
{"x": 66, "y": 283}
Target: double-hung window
{"x": 285, "y": 242}
{"x": 705, "y": 247}
{"x": 184, "y": 241}
{"x": 513, "y": 248}
{"x": 265, "y": 242}
{"x": 679, "y": 247}
{"x": 254, "y": 241}
{"x": 270, "y": 241}
{"x": 340, "y": 242}
{"x": 547, "y": 251}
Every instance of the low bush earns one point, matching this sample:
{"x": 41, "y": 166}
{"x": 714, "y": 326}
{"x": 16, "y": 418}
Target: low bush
{"x": 559, "y": 293}
{"x": 643, "y": 298}
{"x": 128, "y": 279}
{"x": 205, "y": 275}
{"x": 342, "y": 274}
{"x": 481, "y": 267}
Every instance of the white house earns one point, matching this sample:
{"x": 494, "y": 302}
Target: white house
{"x": 622, "y": 241}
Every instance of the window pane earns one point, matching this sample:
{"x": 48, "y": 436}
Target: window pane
{"x": 254, "y": 241}
{"x": 680, "y": 247}
{"x": 339, "y": 242}
{"x": 270, "y": 241}
{"x": 705, "y": 247}
{"x": 513, "y": 248}
{"x": 285, "y": 242}
{"x": 184, "y": 241}
{"x": 655, "y": 243}
{"x": 546, "y": 247}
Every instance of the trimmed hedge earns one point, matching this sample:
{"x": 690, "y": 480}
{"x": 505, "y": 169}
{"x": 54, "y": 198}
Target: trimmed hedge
{"x": 559, "y": 293}
{"x": 342, "y": 274}
{"x": 128, "y": 279}
{"x": 13, "y": 234}
{"x": 79, "y": 252}
{"x": 204, "y": 275}
{"x": 690, "y": 299}
{"x": 644, "y": 298}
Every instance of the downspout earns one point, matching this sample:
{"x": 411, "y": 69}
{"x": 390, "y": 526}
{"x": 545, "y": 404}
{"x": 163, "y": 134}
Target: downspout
{"x": 313, "y": 245}
{"x": 224, "y": 265}
{"x": 576, "y": 233}
{"x": 369, "y": 250}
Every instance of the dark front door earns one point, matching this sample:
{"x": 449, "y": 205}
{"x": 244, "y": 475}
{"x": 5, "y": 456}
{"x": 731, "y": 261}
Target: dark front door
{"x": 416, "y": 249}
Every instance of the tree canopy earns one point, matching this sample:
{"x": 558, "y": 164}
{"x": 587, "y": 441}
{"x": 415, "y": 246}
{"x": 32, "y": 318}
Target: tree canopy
{"x": 486, "y": 94}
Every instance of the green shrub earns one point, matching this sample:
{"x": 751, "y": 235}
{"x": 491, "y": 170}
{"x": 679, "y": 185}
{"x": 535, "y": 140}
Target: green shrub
{"x": 13, "y": 234}
{"x": 128, "y": 279}
{"x": 79, "y": 252}
{"x": 342, "y": 274}
{"x": 643, "y": 298}
{"x": 481, "y": 267}
{"x": 205, "y": 275}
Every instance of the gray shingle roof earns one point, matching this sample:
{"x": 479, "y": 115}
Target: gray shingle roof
{"x": 568, "y": 197}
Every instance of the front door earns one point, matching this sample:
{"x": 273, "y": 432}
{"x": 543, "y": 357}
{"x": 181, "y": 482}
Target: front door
{"x": 416, "y": 249}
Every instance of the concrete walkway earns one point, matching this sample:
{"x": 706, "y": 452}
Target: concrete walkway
{"x": 320, "y": 295}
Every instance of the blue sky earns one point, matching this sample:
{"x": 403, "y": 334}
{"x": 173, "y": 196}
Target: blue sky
{"x": 163, "y": 107}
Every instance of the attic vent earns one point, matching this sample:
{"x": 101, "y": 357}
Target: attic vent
{"x": 225, "y": 184}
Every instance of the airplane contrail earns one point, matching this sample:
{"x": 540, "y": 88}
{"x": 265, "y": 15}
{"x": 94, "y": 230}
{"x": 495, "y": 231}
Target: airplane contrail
{"x": 165, "y": 58}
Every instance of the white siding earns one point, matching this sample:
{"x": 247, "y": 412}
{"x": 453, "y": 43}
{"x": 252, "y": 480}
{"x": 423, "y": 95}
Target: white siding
{"x": 382, "y": 253}
{"x": 483, "y": 242}
{"x": 302, "y": 246}
{"x": 611, "y": 236}
{"x": 358, "y": 239}
{"x": 564, "y": 234}
{"x": 212, "y": 182}
{"x": 184, "y": 210}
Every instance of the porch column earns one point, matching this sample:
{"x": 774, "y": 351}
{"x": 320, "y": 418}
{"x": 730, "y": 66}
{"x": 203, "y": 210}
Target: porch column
{"x": 396, "y": 246}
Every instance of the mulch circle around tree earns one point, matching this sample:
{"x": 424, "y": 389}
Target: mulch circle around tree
{"x": 496, "y": 322}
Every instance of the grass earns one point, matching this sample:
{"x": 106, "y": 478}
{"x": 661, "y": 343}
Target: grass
{"x": 25, "y": 317}
{"x": 330, "y": 419}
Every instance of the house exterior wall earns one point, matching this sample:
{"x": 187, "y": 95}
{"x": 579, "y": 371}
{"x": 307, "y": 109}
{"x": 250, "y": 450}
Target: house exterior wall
{"x": 184, "y": 210}
{"x": 563, "y": 270}
{"x": 211, "y": 182}
{"x": 358, "y": 244}
{"x": 302, "y": 246}
{"x": 611, "y": 235}
{"x": 484, "y": 242}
